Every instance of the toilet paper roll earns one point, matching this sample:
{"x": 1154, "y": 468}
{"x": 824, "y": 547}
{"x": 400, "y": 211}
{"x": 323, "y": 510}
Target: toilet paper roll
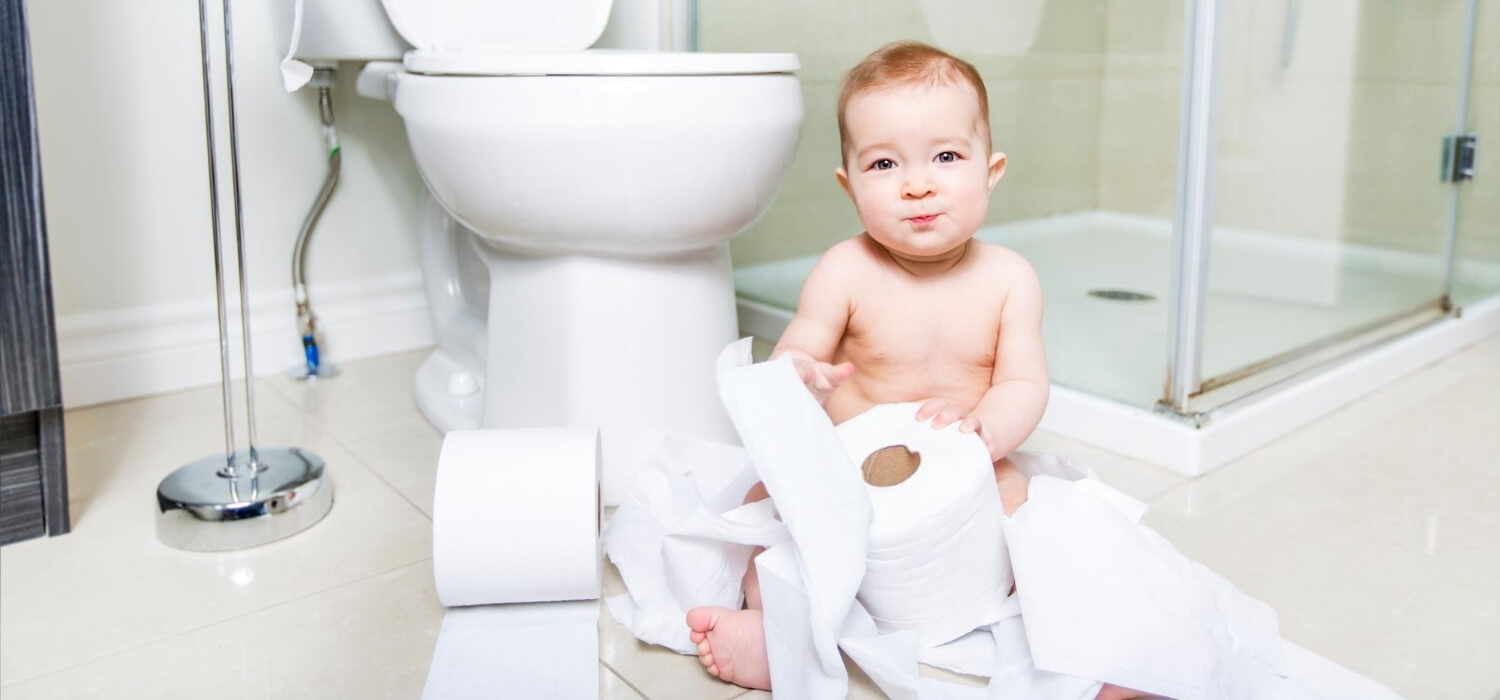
{"x": 515, "y": 516}
{"x": 515, "y": 537}
{"x": 937, "y": 564}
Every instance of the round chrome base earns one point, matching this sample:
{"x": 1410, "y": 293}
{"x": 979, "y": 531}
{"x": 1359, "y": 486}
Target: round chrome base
{"x": 200, "y": 509}
{"x": 325, "y": 371}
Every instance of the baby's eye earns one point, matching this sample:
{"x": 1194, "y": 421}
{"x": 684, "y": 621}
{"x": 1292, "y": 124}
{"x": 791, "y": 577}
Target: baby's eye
{"x": 946, "y": 157}
{"x": 883, "y": 164}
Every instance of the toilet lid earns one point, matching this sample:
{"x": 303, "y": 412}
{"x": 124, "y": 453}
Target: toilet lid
{"x": 499, "y": 24}
{"x": 596, "y": 62}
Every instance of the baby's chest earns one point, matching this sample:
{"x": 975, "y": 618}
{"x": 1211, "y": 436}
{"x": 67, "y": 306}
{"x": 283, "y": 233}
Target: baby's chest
{"x": 933, "y": 339}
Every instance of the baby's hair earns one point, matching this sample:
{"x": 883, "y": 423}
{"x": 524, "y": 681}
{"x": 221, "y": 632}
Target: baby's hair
{"x": 911, "y": 63}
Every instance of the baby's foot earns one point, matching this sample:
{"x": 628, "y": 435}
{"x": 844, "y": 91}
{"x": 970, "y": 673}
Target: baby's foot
{"x": 731, "y": 645}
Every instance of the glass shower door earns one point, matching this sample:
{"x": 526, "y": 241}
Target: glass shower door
{"x": 1331, "y": 217}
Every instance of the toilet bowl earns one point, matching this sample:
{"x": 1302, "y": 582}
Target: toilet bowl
{"x": 578, "y": 208}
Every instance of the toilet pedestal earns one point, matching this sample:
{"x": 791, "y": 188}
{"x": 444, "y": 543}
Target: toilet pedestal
{"x": 627, "y": 345}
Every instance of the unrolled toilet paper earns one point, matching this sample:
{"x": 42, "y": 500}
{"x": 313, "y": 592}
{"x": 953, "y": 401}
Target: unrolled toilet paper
{"x": 294, "y": 73}
{"x": 1066, "y": 544}
{"x": 515, "y": 556}
{"x": 936, "y": 565}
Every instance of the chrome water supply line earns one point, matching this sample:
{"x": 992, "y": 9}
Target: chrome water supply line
{"x": 313, "y": 366}
{"x": 240, "y": 498}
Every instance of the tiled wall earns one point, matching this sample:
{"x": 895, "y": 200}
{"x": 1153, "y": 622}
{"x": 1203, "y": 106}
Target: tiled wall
{"x": 1405, "y": 101}
{"x": 1330, "y": 132}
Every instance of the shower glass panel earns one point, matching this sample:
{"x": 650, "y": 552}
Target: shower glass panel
{"x": 1330, "y": 215}
{"x": 1476, "y": 274}
{"x": 1084, "y": 101}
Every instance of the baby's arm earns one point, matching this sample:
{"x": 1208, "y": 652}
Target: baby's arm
{"x": 812, "y": 338}
{"x": 1012, "y": 407}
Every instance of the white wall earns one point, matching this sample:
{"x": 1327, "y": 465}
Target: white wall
{"x": 120, "y": 114}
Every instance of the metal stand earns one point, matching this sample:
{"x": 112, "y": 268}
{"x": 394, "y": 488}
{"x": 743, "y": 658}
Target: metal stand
{"x": 240, "y": 498}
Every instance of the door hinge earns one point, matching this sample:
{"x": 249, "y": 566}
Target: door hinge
{"x": 1458, "y": 157}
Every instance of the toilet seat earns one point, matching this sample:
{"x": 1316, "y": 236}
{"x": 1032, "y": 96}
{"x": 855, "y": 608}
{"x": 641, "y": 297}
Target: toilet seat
{"x": 595, "y": 62}
{"x": 536, "y": 25}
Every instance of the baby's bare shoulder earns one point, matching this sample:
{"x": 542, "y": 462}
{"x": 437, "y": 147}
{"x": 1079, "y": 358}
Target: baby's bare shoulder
{"x": 848, "y": 259}
{"x": 1003, "y": 266}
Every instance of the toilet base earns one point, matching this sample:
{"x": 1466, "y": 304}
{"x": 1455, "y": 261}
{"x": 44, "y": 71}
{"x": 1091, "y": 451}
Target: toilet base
{"x": 449, "y": 393}
{"x": 625, "y": 345}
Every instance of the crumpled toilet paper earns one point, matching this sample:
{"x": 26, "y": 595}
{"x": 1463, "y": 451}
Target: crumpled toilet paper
{"x": 1177, "y": 629}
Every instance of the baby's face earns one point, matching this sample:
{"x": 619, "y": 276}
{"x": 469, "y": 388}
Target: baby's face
{"x": 918, "y": 168}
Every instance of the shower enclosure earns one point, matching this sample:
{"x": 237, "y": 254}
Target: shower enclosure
{"x": 1243, "y": 213}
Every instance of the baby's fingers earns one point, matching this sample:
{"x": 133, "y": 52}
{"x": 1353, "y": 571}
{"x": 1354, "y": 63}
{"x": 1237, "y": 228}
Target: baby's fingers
{"x": 931, "y": 408}
{"x": 948, "y": 416}
{"x": 970, "y": 425}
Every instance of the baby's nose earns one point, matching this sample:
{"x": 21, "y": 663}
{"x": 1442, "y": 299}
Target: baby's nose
{"x": 917, "y": 187}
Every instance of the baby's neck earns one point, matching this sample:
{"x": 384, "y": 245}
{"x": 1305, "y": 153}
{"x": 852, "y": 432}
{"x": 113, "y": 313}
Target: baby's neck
{"x": 927, "y": 267}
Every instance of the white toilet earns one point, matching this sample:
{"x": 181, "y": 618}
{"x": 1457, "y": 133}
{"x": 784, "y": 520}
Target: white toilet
{"x": 579, "y": 205}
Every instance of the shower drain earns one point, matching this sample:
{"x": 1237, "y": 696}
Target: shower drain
{"x": 1121, "y": 295}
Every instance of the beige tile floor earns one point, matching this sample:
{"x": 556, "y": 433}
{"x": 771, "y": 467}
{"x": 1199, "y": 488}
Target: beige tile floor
{"x": 1374, "y": 532}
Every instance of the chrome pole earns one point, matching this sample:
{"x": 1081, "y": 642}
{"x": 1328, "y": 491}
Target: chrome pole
{"x": 213, "y": 204}
{"x": 231, "y": 501}
{"x": 239, "y": 237}
{"x": 1461, "y": 126}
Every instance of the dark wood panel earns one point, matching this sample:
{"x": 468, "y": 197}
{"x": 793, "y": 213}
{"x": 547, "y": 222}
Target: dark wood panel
{"x": 28, "y": 353}
{"x": 33, "y": 481}
{"x": 21, "y": 514}
{"x": 54, "y": 472}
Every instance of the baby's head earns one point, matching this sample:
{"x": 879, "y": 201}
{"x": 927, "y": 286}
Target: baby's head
{"x": 915, "y": 134}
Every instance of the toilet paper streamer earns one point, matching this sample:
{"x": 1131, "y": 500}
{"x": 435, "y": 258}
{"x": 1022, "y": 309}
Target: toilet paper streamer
{"x": 294, "y": 73}
{"x": 936, "y": 563}
{"x": 515, "y": 556}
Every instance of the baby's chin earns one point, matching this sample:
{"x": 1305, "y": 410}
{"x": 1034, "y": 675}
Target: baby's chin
{"x": 923, "y": 253}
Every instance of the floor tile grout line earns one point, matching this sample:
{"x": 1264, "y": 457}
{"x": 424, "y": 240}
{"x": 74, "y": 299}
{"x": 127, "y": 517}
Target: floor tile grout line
{"x": 373, "y": 471}
{"x": 624, "y": 680}
{"x": 204, "y": 626}
{"x": 327, "y": 430}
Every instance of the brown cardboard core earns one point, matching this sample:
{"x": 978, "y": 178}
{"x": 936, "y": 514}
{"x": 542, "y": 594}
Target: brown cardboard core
{"x": 889, "y": 466}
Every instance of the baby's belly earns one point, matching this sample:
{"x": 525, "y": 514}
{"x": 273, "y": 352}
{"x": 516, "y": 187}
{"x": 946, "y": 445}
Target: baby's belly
{"x": 861, "y": 393}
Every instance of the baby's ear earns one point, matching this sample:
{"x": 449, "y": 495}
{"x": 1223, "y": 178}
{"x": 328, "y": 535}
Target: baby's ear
{"x": 997, "y": 168}
{"x": 842, "y": 177}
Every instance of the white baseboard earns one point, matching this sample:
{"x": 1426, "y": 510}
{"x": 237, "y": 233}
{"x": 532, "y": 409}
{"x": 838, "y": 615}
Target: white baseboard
{"x": 125, "y": 353}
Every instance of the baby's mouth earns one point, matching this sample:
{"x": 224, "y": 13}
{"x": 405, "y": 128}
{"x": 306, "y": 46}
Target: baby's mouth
{"x": 923, "y": 219}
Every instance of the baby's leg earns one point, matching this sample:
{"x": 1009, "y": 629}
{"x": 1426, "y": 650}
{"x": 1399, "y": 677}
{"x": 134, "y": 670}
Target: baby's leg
{"x": 732, "y": 643}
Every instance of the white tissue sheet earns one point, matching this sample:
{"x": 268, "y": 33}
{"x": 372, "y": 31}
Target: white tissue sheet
{"x": 1100, "y": 597}
{"x": 515, "y": 556}
{"x": 524, "y": 650}
{"x": 294, "y": 73}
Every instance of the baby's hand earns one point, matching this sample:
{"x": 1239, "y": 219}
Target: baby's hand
{"x": 821, "y": 378}
{"x": 944, "y": 413}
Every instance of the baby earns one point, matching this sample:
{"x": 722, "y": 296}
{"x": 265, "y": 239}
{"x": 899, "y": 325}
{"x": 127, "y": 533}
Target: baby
{"x": 914, "y": 309}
